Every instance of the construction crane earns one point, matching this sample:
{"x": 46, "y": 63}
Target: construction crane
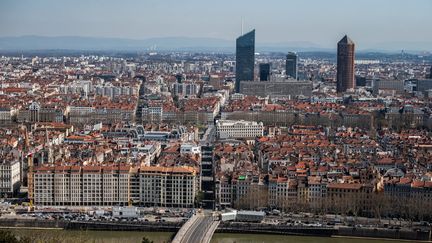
{"x": 29, "y": 156}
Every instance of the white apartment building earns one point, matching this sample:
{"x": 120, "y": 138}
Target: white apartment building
{"x": 168, "y": 186}
{"x": 239, "y": 129}
{"x": 9, "y": 177}
{"x": 81, "y": 186}
{"x": 112, "y": 185}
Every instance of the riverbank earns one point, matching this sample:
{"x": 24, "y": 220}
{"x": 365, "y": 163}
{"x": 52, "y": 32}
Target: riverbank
{"x": 226, "y": 227}
{"x": 73, "y": 236}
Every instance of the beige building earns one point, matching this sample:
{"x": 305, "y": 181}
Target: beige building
{"x": 111, "y": 185}
{"x": 168, "y": 186}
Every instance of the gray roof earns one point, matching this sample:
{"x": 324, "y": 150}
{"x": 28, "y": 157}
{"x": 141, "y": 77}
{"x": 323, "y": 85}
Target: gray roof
{"x": 346, "y": 40}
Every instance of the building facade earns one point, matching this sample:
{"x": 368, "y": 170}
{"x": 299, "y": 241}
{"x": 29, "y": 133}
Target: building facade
{"x": 168, "y": 187}
{"x": 345, "y": 65}
{"x": 264, "y": 71}
{"x": 424, "y": 84}
{"x": 239, "y": 129}
{"x": 9, "y": 177}
{"x": 280, "y": 89}
{"x": 291, "y": 65}
{"x": 245, "y": 58}
{"x": 114, "y": 185}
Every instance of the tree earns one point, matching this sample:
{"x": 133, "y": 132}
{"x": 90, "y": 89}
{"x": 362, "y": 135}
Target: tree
{"x": 146, "y": 240}
{"x": 10, "y": 237}
{"x": 7, "y": 237}
{"x": 198, "y": 198}
{"x": 381, "y": 205}
{"x": 255, "y": 197}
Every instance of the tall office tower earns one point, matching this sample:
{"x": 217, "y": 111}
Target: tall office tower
{"x": 264, "y": 71}
{"x": 345, "y": 65}
{"x": 291, "y": 65}
{"x": 245, "y": 58}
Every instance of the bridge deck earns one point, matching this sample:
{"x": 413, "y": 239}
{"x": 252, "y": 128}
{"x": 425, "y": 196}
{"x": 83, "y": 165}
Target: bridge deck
{"x": 198, "y": 229}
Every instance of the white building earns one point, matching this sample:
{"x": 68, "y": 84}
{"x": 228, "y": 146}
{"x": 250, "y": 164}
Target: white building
{"x": 112, "y": 185}
{"x": 168, "y": 186}
{"x": 9, "y": 177}
{"x": 239, "y": 129}
{"x": 190, "y": 149}
{"x": 125, "y": 212}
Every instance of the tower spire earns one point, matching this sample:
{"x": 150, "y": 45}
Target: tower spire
{"x": 242, "y": 23}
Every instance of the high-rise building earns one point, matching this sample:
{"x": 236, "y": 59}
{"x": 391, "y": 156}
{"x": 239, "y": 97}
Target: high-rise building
{"x": 207, "y": 177}
{"x": 291, "y": 65}
{"x": 360, "y": 81}
{"x": 245, "y": 58}
{"x": 345, "y": 65}
{"x": 264, "y": 71}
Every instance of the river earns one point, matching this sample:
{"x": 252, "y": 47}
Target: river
{"x": 162, "y": 237}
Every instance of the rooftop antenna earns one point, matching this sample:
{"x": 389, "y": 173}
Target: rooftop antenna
{"x": 242, "y": 23}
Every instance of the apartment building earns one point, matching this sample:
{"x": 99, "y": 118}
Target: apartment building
{"x": 346, "y": 195}
{"x": 224, "y": 192}
{"x": 40, "y": 113}
{"x": 81, "y": 185}
{"x": 282, "y": 192}
{"x": 110, "y": 185}
{"x": 168, "y": 186}
{"x": 9, "y": 177}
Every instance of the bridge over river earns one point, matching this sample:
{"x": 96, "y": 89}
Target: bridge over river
{"x": 199, "y": 228}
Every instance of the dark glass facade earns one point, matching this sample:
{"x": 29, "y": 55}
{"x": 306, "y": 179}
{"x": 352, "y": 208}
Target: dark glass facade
{"x": 264, "y": 71}
{"x": 360, "y": 81}
{"x": 345, "y": 65}
{"x": 245, "y": 58}
{"x": 291, "y": 65}
{"x": 207, "y": 178}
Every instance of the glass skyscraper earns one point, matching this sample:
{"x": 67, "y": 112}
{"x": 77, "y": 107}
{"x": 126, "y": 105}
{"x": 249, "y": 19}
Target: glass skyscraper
{"x": 264, "y": 71}
{"x": 245, "y": 58}
{"x": 291, "y": 65}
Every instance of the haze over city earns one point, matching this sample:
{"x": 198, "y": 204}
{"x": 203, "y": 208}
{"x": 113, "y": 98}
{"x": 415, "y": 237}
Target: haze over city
{"x": 375, "y": 25}
{"x": 218, "y": 121}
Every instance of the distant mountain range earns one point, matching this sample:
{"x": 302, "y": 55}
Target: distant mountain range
{"x": 32, "y": 43}
{"x": 26, "y": 43}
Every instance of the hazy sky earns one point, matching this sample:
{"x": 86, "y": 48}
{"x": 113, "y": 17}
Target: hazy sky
{"x": 323, "y": 22}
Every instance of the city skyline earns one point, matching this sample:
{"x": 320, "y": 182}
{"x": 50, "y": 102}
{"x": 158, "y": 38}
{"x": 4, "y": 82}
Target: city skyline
{"x": 202, "y": 121}
{"x": 319, "y": 25}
